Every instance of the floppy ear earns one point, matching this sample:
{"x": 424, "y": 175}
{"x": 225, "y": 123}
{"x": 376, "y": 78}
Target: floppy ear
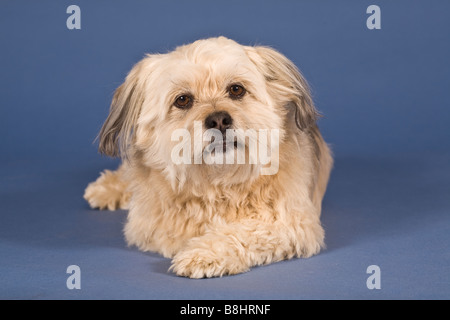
{"x": 286, "y": 83}
{"x": 118, "y": 130}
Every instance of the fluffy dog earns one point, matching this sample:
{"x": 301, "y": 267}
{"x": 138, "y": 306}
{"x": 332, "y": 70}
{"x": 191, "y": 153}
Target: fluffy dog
{"x": 215, "y": 219}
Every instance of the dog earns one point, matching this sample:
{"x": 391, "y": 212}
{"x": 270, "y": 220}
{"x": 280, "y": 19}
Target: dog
{"x": 215, "y": 218}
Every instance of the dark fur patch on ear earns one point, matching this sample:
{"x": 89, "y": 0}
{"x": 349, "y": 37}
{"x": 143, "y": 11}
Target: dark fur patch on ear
{"x": 287, "y": 82}
{"x": 111, "y": 130}
{"x": 118, "y": 130}
{"x": 315, "y": 138}
{"x": 305, "y": 118}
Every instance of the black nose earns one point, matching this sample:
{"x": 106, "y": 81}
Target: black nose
{"x": 220, "y": 120}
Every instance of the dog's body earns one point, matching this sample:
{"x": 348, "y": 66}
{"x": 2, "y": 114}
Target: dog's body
{"x": 221, "y": 218}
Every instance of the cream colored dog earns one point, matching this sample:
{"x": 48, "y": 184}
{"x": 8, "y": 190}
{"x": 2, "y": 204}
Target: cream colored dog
{"x": 215, "y": 219}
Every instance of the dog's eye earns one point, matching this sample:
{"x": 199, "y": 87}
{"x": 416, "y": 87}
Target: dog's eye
{"x": 236, "y": 91}
{"x": 183, "y": 102}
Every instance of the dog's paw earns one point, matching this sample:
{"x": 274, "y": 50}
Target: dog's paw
{"x": 107, "y": 192}
{"x": 204, "y": 263}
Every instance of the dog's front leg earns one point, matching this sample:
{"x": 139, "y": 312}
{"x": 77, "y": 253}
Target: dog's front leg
{"x": 109, "y": 191}
{"x": 233, "y": 248}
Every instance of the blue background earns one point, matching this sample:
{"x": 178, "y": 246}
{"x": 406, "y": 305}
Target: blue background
{"x": 386, "y": 104}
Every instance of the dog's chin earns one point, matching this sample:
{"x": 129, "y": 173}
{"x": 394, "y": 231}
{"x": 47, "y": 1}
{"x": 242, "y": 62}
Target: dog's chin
{"x": 227, "y": 175}
{"x": 221, "y": 151}
{"x": 220, "y": 166}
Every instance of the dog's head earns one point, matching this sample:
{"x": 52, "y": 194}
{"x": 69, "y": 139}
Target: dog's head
{"x": 176, "y": 110}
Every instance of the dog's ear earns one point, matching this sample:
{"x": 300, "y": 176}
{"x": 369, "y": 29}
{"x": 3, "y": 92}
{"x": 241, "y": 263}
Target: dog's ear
{"x": 118, "y": 130}
{"x": 286, "y": 83}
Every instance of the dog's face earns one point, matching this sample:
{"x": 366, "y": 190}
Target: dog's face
{"x": 206, "y": 89}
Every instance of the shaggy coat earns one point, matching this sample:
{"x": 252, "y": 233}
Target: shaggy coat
{"x": 215, "y": 219}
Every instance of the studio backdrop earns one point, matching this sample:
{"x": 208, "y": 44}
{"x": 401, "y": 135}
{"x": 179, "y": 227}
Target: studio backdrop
{"x": 379, "y": 75}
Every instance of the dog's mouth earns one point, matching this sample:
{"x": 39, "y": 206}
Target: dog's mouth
{"x": 224, "y": 145}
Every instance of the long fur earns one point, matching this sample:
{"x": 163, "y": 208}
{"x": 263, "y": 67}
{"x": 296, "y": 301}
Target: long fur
{"x": 214, "y": 220}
